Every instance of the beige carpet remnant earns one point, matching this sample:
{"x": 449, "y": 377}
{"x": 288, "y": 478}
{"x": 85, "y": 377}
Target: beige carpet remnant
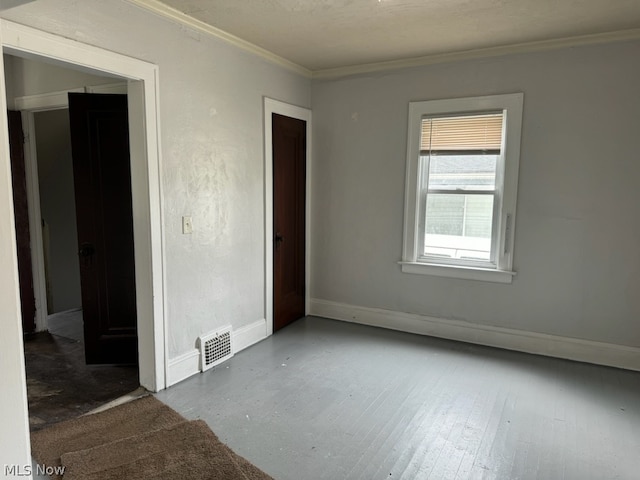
{"x": 142, "y": 439}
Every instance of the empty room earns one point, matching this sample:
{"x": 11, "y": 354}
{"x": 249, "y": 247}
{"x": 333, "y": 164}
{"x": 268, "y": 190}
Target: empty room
{"x": 350, "y": 239}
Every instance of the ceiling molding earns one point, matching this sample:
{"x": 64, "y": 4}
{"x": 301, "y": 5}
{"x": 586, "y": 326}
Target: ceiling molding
{"x": 184, "y": 19}
{"x": 171, "y": 13}
{"x": 539, "y": 46}
{"x": 7, "y": 4}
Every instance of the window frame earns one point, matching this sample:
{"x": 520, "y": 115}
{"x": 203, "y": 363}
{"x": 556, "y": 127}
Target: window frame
{"x": 503, "y": 234}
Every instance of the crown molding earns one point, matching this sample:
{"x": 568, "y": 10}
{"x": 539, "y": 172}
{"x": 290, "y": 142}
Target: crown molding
{"x": 171, "y": 13}
{"x": 539, "y": 46}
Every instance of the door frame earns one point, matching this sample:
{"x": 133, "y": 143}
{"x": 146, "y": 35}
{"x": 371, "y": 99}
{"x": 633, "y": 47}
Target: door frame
{"x": 142, "y": 85}
{"x": 142, "y": 78}
{"x": 272, "y": 106}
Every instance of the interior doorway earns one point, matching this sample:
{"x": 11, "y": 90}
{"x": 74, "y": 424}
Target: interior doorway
{"x": 289, "y": 218}
{"x": 301, "y": 143}
{"x": 60, "y": 383}
{"x": 142, "y": 80}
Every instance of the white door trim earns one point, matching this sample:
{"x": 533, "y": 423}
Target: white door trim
{"x": 35, "y": 226}
{"x": 272, "y": 106}
{"x": 142, "y": 78}
{"x": 57, "y": 100}
{"x": 14, "y": 438}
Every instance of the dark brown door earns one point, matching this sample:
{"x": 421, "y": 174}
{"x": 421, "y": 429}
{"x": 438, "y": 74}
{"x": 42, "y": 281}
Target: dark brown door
{"x": 102, "y": 182}
{"x": 21, "y": 213}
{"x": 289, "y": 174}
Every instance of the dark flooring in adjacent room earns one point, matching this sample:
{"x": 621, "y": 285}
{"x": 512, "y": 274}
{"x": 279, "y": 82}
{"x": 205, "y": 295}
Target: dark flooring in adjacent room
{"x": 323, "y": 399}
{"x": 60, "y": 385}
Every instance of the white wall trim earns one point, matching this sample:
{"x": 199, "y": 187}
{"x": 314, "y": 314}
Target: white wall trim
{"x": 274, "y": 106}
{"x": 35, "y": 225}
{"x": 45, "y": 101}
{"x": 57, "y": 100}
{"x": 108, "y": 88}
{"x": 142, "y": 80}
{"x": 64, "y": 312}
{"x": 249, "y": 335}
{"x": 599, "y": 353}
{"x": 539, "y": 46}
{"x": 15, "y": 447}
{"x": 184, "y": 19}
{"x": 183, "y": 367}
{"x": 188, "y": 364}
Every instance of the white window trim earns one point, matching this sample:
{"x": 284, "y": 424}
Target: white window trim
{"x": 411, "y": 262}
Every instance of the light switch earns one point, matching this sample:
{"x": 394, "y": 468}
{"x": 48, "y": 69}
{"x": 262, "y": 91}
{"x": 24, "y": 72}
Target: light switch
{"x": 187, "y": 225}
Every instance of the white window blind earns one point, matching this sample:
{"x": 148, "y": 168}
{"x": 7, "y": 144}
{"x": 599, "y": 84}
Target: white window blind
{"x": 463, "y": 133}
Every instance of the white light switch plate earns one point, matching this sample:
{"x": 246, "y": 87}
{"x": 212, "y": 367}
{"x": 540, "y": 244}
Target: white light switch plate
{"x": 187, "y": 225}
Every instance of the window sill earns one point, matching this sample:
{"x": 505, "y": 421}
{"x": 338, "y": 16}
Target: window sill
{"x": 450, "y": 271}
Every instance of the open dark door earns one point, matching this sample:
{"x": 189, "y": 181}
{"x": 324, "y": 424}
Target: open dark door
{"x": 289, "y": 190}
{"x": 102, "y": 182}
{"x": 21, "y": 213}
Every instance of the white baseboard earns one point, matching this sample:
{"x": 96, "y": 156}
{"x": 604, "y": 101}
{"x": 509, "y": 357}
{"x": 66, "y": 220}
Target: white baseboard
{"x": 64, "y": 312}
{"x": 188, "y": 364}
{"x": 182, "y": 367}
{"x": 248, "y": 335}
{"x": 599, "y": 353}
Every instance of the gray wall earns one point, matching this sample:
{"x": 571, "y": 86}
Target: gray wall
{"x": 577, "y": 236}
{"x": 211, "y": 108}
{"x": 33, "y": 77}
{"x": 577, "y": 246}
{"x": 57, "y": 207}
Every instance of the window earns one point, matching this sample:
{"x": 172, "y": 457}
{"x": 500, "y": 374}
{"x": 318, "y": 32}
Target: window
{"x": 462, "y": 174}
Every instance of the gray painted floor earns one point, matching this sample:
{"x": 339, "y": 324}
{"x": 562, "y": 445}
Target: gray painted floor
{"x": 67, "y": 324}
{"x": 323, "y": 399}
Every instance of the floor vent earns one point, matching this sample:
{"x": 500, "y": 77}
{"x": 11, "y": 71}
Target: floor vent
{"x": 215, "y": 348}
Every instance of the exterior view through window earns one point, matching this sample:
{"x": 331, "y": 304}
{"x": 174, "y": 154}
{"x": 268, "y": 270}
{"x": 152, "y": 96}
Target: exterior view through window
{"x": 460, "y": 155}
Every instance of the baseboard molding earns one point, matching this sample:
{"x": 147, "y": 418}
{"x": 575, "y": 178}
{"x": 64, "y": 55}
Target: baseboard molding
{"x": 188, "y": 364}
{"x": 248, "y": 335}
{"x": 64, "y": 312}
{"x": 182, "y": 367}
{"x": 599, "y": 353}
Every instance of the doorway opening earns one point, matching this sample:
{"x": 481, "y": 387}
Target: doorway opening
{"x": 62, "y": 339}
{"x": 289, "y": 196}
{"x": 296, "y": 268}
{"x": 142, "y": 82}
{"x": 142, "y": 87}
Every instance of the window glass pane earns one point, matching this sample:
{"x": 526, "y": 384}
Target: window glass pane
{"x": 445, "y": 214}
{"x": 478, "y": 216}
{"x": 462, "y": 172}
{"x": 459, "y": 226}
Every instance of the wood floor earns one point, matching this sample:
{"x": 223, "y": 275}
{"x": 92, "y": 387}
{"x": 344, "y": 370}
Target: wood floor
{"x": 323, "y": 399}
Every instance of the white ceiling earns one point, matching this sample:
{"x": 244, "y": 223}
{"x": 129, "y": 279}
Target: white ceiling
{"x": 328, "y": 34}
